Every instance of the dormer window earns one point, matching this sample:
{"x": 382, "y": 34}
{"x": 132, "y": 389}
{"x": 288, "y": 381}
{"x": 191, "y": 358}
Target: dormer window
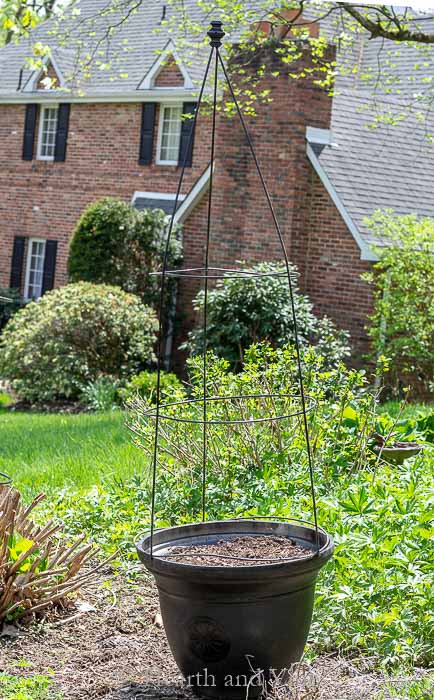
{"x": 47, "y": 132}
{"x": 169, "y": 135}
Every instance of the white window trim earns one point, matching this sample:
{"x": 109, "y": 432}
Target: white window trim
{"x": 32, "y": 83}
{"x": 30, "y": 242}
{"x": 42, "y": 109}
{"x": 163, "y": 105}
{"x": 148, "y": 81}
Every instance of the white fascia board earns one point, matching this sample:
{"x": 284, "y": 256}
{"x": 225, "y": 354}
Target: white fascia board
{"x": 366, "y": 253}
{"x": 156, "y": 195}
{"x": 34, "y": 78}
{"x": 169, "y": 50}
{"x": 193, "y": 197}
{"x": 157, "y": 95}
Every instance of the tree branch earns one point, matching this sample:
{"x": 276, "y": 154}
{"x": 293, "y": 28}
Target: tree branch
{"x": 376, "y": 29}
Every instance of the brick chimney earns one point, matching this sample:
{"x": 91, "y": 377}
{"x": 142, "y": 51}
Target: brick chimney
{"x": 242, "y": 227}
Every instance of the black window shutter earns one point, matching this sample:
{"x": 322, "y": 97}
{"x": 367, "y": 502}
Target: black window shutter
{"x": 186, "y": 148}
{"x": 49, "y": 266}
{"x": 17, "y": 262}
{"x": 29, "y": 131}
{"x": 147, "y": 133}
{"x": 62, "y": 132}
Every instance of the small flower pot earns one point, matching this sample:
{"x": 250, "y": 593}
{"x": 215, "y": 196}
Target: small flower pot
{"x": 223, "y": 623}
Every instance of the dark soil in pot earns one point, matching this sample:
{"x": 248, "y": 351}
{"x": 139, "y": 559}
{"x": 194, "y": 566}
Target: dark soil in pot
{"x": 240, "y": 551}
{"x": 227, "y": 621}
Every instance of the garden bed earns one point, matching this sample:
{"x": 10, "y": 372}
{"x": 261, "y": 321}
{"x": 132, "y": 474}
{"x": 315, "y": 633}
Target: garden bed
{"x": 117, "y": 650}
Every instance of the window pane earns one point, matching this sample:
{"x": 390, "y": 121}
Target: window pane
{"x": 171, "y": 134}
{"x": 48, "y": 132}
{"x": 35, "y": 269}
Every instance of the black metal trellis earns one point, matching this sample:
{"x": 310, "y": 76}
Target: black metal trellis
{"x": 206, "y": 273}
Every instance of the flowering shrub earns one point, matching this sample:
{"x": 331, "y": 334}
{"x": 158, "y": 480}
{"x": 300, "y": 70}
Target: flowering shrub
{"x": 58, "y": 344}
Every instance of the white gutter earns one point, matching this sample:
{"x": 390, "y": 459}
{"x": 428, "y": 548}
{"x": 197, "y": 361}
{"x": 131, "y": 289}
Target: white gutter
{"x": 59, "y": 96}
{"x": 193, "y": 197}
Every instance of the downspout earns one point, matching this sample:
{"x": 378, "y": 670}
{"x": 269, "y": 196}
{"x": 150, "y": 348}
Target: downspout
{"x": 383, "y": 329}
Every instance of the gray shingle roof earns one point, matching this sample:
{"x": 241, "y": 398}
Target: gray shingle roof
{"x": 389, "y": 166}
{"x": 127, "y": 54}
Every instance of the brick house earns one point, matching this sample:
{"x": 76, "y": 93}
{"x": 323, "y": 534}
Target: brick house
{"x": 120, "y": 133}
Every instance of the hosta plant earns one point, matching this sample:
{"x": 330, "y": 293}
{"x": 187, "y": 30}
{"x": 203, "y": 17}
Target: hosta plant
{"x": 37, "y": 570}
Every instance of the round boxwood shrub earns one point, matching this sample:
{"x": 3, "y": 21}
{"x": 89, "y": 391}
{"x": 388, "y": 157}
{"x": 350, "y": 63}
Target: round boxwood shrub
{"x": 58, "y": 344}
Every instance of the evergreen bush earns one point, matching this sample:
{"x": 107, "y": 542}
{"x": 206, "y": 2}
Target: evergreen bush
{"x": 114, "y": 243}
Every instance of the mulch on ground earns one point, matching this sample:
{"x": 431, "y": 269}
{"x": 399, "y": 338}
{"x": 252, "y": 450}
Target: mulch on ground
{"x": 113, "y": 647}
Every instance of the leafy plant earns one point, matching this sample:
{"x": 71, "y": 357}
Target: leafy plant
{"x": 377, "y": 596}
{"x": 144, "y": 385}
{"x": 113, "y": 512}
{"x": 4, "y": 399}
{"x": 101, "y": 395}
{"x": 35, "y": 687}
{"x": 402, "y": 325}
{"x": 58, "y": 344}
{"x": 10, "y": 303}
{"x": 114, "y": 243}
{"x": 36, "y": 570}
{"x": 251, "y": 309}
{"x": 418, "y": 689}
{"x": 388, "y": 430}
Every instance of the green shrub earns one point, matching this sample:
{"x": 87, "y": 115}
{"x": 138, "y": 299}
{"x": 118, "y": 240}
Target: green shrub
{"x": 247, "y": 451}
{"x": 377, "y": 595}
{"x": 402, "y": 325}
{"x": 101, "y": 394}
{"x": 114, "y": 243}
{"x": 144, "y": 385}
{"x": 242, "y": 311}
{"x": 10, "y": 303}
{"x": 57, "y": 345}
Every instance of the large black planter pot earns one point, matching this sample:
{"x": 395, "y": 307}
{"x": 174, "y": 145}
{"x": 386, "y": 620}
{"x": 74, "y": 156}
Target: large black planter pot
{"x": 222, "y": 622}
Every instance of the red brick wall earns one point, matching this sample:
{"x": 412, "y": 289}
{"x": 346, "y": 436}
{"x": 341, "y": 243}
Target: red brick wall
{"x": 169, "y": 75}
{"x": 328, "y": 259}
{"x": 101, "y": 160}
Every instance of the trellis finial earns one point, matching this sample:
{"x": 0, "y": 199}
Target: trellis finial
{"x": 216, "y": 34}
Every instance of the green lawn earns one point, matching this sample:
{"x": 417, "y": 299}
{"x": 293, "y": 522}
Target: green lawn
{"x": 411, "y": 410}
{"x": 47, "y": 452}
{"x": 43, "y": 452}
